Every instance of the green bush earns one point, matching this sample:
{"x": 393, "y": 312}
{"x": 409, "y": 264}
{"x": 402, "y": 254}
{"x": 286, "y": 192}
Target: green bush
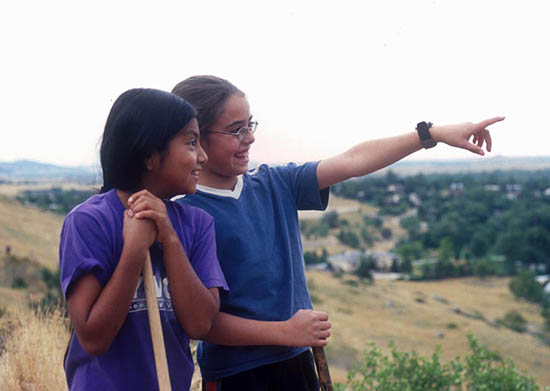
{"x": 481, "y": 370}
{"x": 349, "y": 238}
{"x": 524, "y": 285}
{"x": 19, "y": 283}
{"x": 514, "y": 321}
{"x": 366, "y": 265}
{"x": 486, "y": 371}
{"x": 403, "y": 371}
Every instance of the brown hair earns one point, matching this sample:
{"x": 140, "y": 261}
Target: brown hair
{"x": 208, "y": 94}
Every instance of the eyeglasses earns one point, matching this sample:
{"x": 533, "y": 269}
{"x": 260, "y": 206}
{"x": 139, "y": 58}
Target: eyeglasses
{"x": 240, "y": 133}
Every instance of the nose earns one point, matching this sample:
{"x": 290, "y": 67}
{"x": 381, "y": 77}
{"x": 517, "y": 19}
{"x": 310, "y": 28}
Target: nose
{"x": 202, "y": 157}
{"x": 248, "y": 138}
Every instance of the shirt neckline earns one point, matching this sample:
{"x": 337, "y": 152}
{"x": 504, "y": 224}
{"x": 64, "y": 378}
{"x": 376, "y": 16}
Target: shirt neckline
{"x": 235, "y": 193}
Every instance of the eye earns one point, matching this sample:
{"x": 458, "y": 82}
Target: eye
{"x": 235, "y": 131}
{"x": 192, "y": 142}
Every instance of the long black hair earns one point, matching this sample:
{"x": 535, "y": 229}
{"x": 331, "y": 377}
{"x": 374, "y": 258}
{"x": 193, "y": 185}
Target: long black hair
{"x": 140, "y": 123}
{"x": 208, "y": 95}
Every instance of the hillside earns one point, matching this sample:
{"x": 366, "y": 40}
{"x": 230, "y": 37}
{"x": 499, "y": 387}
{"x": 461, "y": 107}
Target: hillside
{"x": 27, "y": 170}
{"x": 416, "y": 315}
{"x": 421, "y": 315}
{"x": 29, "y": 232}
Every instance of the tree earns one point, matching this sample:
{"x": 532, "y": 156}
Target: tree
{"x": 330, "y": 219}
{"x": 349, "y": 238}
{"x": 366, "y": 265}
{"x": 525, "y": 285}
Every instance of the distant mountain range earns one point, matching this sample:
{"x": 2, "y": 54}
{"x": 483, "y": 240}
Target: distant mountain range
{"x": 479, "y": 164}
{"x": 28, "y": 170}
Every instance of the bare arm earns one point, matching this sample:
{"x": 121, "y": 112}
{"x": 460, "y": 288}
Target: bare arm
{"x": 97, "y": 313}
{"x": 195, "y": 306}
{"x": 305, "y": 328}
{"x": 373, "y": 155}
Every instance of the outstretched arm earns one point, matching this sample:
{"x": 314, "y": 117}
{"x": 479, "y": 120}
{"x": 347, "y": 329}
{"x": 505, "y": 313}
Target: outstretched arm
{"x": 373, "y": 155}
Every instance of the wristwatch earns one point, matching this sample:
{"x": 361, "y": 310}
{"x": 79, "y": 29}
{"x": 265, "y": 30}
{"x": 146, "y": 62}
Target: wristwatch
{"x": 423, "y": 129}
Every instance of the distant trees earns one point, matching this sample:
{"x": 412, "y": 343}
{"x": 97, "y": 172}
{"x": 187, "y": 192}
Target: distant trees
{"x": 466, "y": 217}
{"x": 524, "y": 285}
{"x": 349, "y": 238}
{"x": 56, "y": 199}
{"x": 366, "y": 265}
{"x": 311, "y": 257}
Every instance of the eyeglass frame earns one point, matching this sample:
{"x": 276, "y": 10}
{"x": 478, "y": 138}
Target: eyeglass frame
{"x": 239, "y": 133}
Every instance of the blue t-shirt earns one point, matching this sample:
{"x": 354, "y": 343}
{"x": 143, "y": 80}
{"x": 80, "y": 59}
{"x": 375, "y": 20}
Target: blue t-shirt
{"x": 91, "y": 241}
{"x": 260, "y": 252}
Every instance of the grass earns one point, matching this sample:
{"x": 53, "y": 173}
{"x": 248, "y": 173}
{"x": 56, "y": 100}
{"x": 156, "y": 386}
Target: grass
{"x": 30, "y": 232}
{"x": 32, "y": 351}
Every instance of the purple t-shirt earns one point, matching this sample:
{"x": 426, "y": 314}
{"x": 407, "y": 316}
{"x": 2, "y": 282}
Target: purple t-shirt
{"x": 91, "y": 241}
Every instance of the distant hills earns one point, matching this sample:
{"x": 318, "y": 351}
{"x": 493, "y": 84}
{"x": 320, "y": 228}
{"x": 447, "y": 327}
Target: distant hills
{"x": 477, "y": 164}
{"x": 28, "y": 170}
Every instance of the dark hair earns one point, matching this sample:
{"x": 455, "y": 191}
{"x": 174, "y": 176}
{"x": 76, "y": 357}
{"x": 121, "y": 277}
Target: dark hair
{"x": 208, "y": 94}
{"x": 140, "y": 123}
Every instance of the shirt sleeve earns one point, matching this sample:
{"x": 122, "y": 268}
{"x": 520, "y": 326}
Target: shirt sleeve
{"x": 203, "y": 255}
{"x": 83, "y": 249}
{"x": 303, "y": 183}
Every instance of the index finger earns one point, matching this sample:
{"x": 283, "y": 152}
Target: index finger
{"x": 141, "y": 193}
{"x": 490, "y": 121}
{"x": 321, "y": 315}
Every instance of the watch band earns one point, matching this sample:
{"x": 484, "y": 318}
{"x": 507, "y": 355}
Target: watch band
{"x": 426, "y": 139}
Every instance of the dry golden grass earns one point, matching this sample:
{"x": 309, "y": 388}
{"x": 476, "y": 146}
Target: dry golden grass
{"x": 33, "y": 351}
{"x": 389, "y": 311}
{"x": 30, "y": 232}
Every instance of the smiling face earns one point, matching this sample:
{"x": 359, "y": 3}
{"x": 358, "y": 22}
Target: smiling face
{"x": 227, "y": 155}
{"x": 177, "y": 171}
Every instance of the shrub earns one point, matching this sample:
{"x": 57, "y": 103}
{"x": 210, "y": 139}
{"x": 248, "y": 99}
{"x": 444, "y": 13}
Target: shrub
{"x": 19, "y": 283}
{"x": 485, "y": 370}
{"x": 525, "y": 286}
{"x": 349, "y": 238}
{"x": 514, "y": 321}
{"x": 365, "y": 266}
{"x": 402, "y": 371}
{"x": 481, "y": 370}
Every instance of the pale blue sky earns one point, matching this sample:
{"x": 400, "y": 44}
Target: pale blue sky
{"x": 320, "y": 76}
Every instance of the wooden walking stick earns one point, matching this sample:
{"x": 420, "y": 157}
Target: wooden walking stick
{"x": 161, "y": 363}
{"x": 322, "y": 368}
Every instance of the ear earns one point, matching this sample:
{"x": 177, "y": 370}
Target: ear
{"x": 152, "y": 162}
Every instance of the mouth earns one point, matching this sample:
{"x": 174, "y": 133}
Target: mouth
{"x": 243, "y": 155}
{"x": 195, "y": 173}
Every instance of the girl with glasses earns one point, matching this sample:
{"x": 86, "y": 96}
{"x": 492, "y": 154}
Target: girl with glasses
{"x": 150, "y": 151}
{"x": 254, "y": 343}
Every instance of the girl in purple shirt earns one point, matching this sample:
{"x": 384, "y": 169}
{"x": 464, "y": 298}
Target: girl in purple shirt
{"x": 150, "y": 151}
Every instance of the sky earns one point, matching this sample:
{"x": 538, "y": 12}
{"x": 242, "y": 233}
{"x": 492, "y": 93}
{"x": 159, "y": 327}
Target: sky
{"x": 320, "y": 76}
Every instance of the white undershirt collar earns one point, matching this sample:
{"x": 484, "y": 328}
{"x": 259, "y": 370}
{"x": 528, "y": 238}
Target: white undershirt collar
{"x": 235, "y": 193}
